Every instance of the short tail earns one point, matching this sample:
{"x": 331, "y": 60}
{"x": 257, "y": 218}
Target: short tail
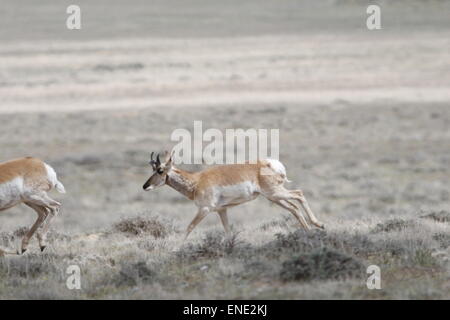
{"x": 53, "y": 179}
{"x": 60, "y": 187}
{"x": 279, "y": 168}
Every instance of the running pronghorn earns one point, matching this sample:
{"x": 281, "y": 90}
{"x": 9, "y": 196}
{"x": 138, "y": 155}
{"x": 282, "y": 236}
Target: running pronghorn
{"x": 220, "y": 187}
{"x": 27, "y": 180}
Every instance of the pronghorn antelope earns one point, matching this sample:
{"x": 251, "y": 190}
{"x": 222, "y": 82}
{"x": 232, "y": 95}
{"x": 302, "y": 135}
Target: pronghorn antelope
{"x": 27, "y": 181}
{"x": 220, "y": 187}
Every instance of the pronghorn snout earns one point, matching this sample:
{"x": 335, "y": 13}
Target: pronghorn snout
{"x": 147, "y": 186}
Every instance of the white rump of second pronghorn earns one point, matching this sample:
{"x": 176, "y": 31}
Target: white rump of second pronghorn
{"x": 27, "y": 180}
{"x": 221, "y": 187}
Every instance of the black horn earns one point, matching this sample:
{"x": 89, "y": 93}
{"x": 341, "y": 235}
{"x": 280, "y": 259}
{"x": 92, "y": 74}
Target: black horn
{"x": 157, "y": 159}
{"x": 151, "y": 158}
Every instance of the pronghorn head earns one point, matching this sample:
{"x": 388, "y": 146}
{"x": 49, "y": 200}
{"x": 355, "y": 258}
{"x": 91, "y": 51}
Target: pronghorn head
{"x": 160, "y": 170}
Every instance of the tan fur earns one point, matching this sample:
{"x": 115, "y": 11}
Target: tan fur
{"x": 221, "y": 187}
{"x": 190, "y": 183}
{"x": 31, "y": 169}
{"x": 224, "y": 175}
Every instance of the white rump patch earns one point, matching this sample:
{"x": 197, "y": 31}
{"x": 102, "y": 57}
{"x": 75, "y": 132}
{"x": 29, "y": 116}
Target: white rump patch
{"x": 276, "y": 167}
{"x": 51, "y": 175}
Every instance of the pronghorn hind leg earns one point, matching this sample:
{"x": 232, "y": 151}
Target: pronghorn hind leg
{"x": 50, "y": 214}
{"x": 53, "y": 211}
{"x": 47, "y": 214}
{"x": 42, "y": 199}
{"x": 300, "y": 218}
{"x": 301, "y": 198}
{"x": 42, "y": 234}
{"x": 34, "y": 227}
{"x": 44, "y": 206}
{"x": 224, "y": 218}
{"x": 199, "y": 217}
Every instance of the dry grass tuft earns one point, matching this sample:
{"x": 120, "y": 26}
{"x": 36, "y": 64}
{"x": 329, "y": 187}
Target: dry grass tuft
{"x": 355, "y": 244}
{"x": 213, "y": 245}
{"x": 300, "y": 240}
{"x": 138, "y": 226}
{"x": 443, "y": 239}
{"x": 28, "y": 266}
{"x": 321, "y": 264}
{"x": 8, "y": 238}
{"x": 20, "y": 232}
{"x": 283, "y": 222}
{"x": 393, "y": 225}
{"x": 134, "y": 274}
{"x": 441, "y": 216}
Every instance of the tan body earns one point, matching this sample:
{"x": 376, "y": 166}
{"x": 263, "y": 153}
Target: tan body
{"x": 221, "y": 187}
{"x": 27, "y": 180}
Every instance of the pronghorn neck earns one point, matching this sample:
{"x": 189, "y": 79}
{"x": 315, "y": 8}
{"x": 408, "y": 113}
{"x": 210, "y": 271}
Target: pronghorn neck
{"x": 182, "y": 181}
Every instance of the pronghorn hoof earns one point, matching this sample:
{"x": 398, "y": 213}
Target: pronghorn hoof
{"x": 321, "y": 227}
{"x": 43, "y": 248}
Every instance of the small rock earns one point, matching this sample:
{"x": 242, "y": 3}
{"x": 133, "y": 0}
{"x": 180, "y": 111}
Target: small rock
{"x": 204, "y": 268}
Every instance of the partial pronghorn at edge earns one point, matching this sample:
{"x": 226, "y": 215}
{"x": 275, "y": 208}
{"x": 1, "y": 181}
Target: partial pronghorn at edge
{"x": 27, "y": 180}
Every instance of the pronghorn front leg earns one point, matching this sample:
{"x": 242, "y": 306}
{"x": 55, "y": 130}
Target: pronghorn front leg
{"x": 224, "y": 218}
{"x": 297, "y": 215}
{"x": 202, "y": 212}
{"x": 44, "y": 206}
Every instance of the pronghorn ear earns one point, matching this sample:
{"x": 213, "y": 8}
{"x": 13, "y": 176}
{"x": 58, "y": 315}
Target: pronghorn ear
{"x": 168, "y": 157}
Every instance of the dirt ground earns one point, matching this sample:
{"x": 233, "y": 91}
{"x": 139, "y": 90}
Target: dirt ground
{"x": 364, "y": 120}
